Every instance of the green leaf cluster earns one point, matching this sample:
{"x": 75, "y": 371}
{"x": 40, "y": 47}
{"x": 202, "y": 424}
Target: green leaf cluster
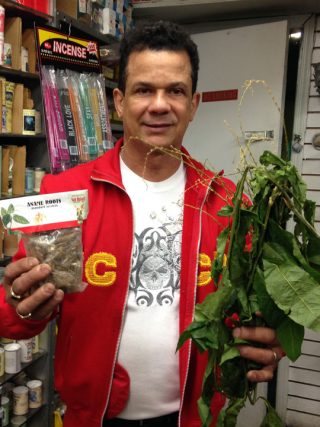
{"x": 8, "y": 216}
{"x": 278, "y": 275}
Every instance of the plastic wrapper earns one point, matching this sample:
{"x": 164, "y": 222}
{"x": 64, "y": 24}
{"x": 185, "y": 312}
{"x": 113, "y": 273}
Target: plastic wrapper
{"x": 62, "y": 250}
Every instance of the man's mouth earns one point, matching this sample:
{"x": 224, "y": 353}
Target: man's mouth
{"x": 157, "y": 125}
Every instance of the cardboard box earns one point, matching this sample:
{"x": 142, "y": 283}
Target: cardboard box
{"x": 28, "y": 102}
{"x": 18, "y": 164}
{"x": 13, "y": 35}
{"x": 119, "y": 5}
{"x": 5, "y": 171}
{"x": 13, "y": 170}
{"x": 28, "y": 41}
{"x": 77, "y": 9}
{"x": 101, "y": 3}
{"x": 17, "y": 108}
{"x": 109, "y": 21}
{"x": 97, "y": 17}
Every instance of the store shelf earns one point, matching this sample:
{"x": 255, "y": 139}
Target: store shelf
{"x": 7, "y": 377}
{"x": 111, "y": 84}
{"x": 17, "y": 9}
{"x": 19, "y": 76}
{"x": 78, "y": 28}
{"x": 33, "y": 412}
{"x": 20, "y": 139}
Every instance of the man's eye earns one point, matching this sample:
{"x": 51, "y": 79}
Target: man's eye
{"x": 143, "y": 90}
{"x": 177, "y": 91}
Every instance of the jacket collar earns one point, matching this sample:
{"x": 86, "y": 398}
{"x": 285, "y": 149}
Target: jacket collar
{"x": 107, "y": 168}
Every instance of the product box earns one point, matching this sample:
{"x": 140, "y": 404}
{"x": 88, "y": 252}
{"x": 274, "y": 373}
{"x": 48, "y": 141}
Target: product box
{"x": 119, "y": 5}
{"x": 101, "y": 3}
{"x": 13, "y": 170}
{"x": 29, "y": 43}
{"x": 78, "y": 9}
{"x": 42, "y": 6}
{"x": 97, "y": 17}
{"x": 29, "y": 122}
{"x": 17, "y": 108}
{"x": 13, "y": 36}
{"x": 109, "y": 21}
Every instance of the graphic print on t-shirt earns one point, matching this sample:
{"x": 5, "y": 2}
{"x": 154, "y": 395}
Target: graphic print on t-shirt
{"x": 156, "y": 266}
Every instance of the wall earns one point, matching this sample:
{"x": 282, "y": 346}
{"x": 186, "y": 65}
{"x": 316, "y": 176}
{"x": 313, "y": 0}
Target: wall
{"x": 303, "y": 387}
{"x": 311, "y": 156}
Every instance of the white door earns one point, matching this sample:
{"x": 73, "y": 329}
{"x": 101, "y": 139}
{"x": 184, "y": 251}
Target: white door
{"x": 228, "y": 58}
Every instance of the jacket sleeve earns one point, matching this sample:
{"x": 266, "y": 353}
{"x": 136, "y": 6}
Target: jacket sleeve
{"x": 11, "y": 326}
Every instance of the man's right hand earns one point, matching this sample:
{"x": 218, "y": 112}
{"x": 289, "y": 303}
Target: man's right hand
{"x": 22, "y": 280}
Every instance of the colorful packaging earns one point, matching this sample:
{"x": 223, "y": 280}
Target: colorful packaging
{"x": 51, "y": 231}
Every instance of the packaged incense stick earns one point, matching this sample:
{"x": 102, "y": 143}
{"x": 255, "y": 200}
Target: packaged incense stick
{"x": 87, "y": 116}
{"x": 99, "y": 83}
{"x": 75, "y": 104}
{"x": 58, "y": 146}
{"x": 67, "y": 116}
{"x": 94, "y": 101}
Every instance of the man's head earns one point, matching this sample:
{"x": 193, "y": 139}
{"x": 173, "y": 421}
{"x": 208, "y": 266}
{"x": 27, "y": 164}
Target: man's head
{"x": 158, "y": 36}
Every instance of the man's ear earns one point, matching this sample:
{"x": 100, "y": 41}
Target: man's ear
{"x": 194, "y": 104}
{"x": 118, "y": 98}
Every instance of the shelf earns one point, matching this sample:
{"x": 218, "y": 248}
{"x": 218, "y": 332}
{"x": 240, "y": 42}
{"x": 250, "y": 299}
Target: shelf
{"x": 7, "y": 377}
{"x": 21, "y": 136}
{"x": 18, "y": 75}
{"x": 16, "y": 9}
{"x": 82, "y": 29}
{"x": 117, "y": 127}
{"x": 111, "y": 84}
{"x": 28, "y": 415}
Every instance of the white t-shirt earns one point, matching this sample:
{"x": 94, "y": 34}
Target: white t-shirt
{"x": 151, "y": 327}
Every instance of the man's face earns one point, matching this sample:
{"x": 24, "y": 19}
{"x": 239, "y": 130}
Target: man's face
{"x": 158, "y": 104}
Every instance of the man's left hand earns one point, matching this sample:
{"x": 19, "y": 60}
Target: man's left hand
{"x": 268, "y": 357}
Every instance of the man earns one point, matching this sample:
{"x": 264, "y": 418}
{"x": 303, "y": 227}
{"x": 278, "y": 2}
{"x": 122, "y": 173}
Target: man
{"x": 152, "y": 220}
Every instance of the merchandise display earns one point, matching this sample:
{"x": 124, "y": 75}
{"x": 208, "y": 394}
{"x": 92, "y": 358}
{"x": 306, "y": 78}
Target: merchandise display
{"x": 77, "y": 117}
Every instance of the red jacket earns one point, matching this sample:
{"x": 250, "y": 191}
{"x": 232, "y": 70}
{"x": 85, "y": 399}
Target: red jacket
{"x": 86, "y": 373}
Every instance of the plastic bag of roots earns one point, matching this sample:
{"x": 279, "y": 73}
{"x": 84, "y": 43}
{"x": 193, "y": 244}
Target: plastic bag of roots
{"x": 62, "y": 250}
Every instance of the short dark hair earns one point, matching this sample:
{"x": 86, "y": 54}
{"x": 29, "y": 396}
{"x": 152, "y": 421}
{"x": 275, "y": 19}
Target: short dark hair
{"x": 160, "y": 35}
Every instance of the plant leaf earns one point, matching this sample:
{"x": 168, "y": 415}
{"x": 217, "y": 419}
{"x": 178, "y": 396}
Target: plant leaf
{"x": 229, "y": 352}
{"x": 291, "y": 335}
{"x": 20, "y": 219}
{"x": 271, "y": 419}
{"x": 10, "y": 208}
{"x": 226, "y": 211}
{"x": 293, "y": 290}
{"x": 6, "y": 219}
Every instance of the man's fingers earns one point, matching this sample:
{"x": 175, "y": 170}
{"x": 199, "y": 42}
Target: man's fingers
{"x": 22, "y": 284}
{"x": 15, "y": 269}
{"x": 263, "y": 356}
{"x": 259, "y": 334}
{"x": 262, "y": 375}
{"x": 41, "y": 303}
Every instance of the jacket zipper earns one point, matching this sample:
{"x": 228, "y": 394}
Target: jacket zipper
{"x": 124, "y": 306}
{"x": 194, "y": 303}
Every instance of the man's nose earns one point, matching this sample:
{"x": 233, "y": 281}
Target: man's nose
{"x": 160, "y": 102}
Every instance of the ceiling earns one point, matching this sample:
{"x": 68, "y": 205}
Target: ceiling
{"x": 195, "y": 11}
